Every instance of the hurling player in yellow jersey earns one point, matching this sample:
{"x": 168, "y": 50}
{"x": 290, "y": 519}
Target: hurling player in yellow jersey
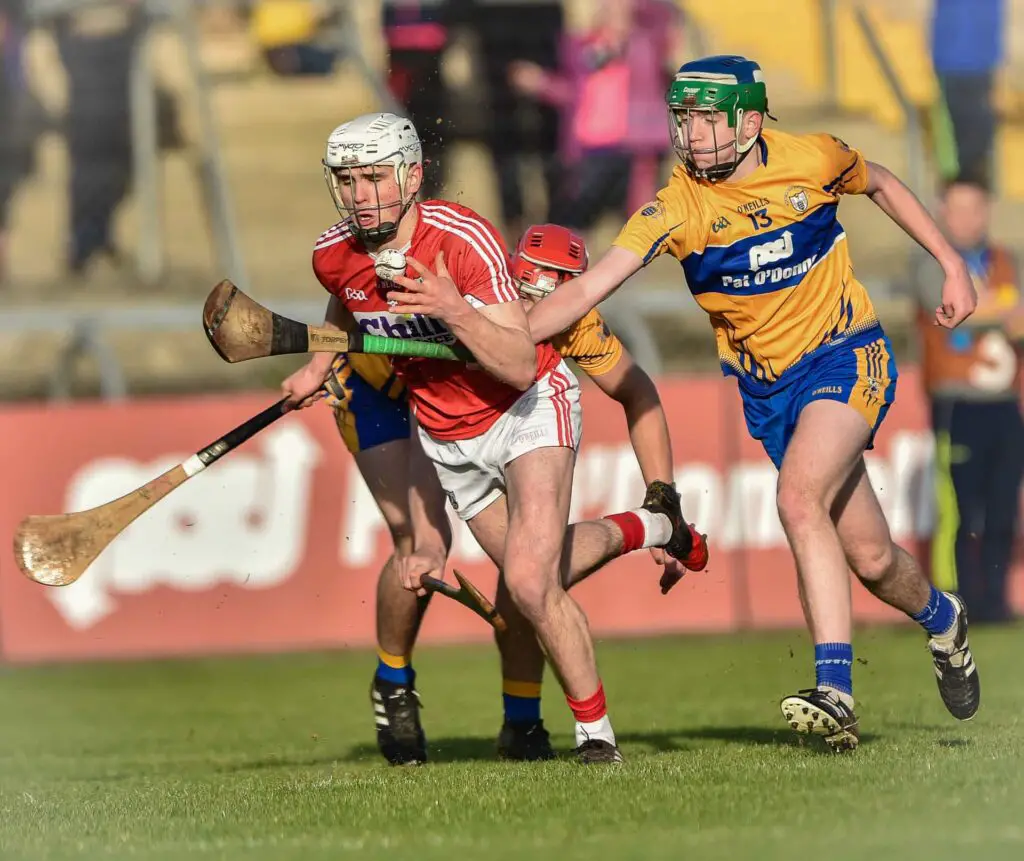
{"x": 751, "y": 216}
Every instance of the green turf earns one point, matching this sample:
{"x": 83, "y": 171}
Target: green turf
{"x": 273, "y": 758}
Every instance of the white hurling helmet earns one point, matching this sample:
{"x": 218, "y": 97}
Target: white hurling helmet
{"x": 368, "y": 140}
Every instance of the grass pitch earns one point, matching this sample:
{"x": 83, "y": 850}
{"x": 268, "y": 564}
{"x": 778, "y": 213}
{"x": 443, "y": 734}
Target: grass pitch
{"x": 273, "y": 758}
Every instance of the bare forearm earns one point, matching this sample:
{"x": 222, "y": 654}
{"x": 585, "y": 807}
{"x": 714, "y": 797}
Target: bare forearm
{"x": 649, "y": 436}
{"x": 575, "y": 298}
{"x": 902, "y": 206}
{"x": 505, "y": 352}
{"x": 557, "y": 312}
{"x": 432, "y": 533}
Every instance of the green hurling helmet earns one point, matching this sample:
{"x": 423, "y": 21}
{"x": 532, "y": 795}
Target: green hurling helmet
{"x": 727, "y": 84}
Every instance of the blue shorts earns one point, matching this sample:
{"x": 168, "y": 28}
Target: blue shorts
{"x": 367, "y": 417}
{"x": 859, "y": 371}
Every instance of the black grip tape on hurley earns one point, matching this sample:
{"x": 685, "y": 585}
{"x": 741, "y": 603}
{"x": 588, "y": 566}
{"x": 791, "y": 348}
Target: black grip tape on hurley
{"x": 288, "y": 336}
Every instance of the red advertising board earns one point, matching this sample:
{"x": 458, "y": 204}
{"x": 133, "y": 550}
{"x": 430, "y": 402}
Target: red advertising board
{"x": 278, "y": 545}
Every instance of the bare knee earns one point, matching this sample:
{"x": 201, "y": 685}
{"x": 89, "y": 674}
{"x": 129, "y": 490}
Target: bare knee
{"x": 399, "y": 523}
{"x": 532, "y": 592}
{"x": 532, "y": 569}
{"x": 800, "y": 505}
{"x": 402, "y": 537}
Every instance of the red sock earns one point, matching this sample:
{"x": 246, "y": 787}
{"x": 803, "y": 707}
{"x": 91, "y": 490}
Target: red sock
{"x": 632, "y": 528}
{"x": 591, "y": 709}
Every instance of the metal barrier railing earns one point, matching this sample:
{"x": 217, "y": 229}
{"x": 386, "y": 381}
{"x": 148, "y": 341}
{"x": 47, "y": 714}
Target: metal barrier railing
{"x": 86, "y": 329}
{"x": 149, "y": 254}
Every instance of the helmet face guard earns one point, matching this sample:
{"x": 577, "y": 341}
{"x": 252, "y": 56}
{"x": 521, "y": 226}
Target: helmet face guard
{"x": 369, "y": 142}
{"x": 384, "y": 230}
{"x": 729, "y": 86}
{"x": 535, "y": 282}
{"x": 547, "y": 255}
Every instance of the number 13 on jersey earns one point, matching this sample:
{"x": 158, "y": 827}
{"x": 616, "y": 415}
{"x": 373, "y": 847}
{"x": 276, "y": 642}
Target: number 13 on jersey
{"x": 760, "y": 219}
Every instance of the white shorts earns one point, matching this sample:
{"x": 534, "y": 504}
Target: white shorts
{"x": 472, "y": 471}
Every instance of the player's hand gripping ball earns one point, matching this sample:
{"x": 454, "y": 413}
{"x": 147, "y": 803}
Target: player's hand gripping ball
{"x": 390, "y": 262}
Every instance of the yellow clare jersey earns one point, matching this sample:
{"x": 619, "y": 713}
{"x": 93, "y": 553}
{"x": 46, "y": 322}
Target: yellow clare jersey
{"x": 374, "y": 369}
{"x": 765, "y": 256}
{"x": 591, "y": 344}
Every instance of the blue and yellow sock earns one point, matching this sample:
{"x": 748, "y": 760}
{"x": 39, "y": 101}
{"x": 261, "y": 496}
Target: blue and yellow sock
{"x": 938, "y": 615}
{"x": 833, "y": 666}
{"x": 394, "y": 668}
{"x": 522, "y": 701}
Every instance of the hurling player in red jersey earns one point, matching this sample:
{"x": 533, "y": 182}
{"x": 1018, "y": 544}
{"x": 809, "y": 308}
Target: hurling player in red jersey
{"x": 508, "y": 426}
{"x": 370, "y": 406}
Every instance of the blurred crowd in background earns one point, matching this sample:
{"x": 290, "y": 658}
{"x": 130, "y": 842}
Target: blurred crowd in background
{"x": 592, "y": 99}
{"x": 586, "y": 103}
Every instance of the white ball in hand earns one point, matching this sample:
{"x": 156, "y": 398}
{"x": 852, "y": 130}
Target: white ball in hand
{"x": 389, "y": 263}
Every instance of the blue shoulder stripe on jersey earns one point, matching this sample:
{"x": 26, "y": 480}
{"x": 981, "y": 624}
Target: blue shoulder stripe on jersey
{"x": 654, "y": 247}
{"x": 767, "y": 261}
{"x": 649, "y": 256}
{"x": 839, "y": 180}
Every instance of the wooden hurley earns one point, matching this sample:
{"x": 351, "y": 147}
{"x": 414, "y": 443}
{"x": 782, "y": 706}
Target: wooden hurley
{"x": 240, "y": 329}
{"x": 56, "y": 549}
{"x": 468, "y": 596}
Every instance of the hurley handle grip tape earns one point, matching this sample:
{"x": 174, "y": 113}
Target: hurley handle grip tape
{"x": 421, "y": 349}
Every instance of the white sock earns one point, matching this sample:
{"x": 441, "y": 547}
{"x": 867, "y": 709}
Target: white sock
{"x": 947, "y": 637}
{"x": 657, "y": 528}
{"x": 601, "y": 728}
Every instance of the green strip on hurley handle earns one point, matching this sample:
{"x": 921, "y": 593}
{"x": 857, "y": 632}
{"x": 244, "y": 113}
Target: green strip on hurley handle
{"x": 422, "y": 349}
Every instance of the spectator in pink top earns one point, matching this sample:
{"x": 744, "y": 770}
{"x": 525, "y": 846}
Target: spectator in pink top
{"x": 611, "y": 88}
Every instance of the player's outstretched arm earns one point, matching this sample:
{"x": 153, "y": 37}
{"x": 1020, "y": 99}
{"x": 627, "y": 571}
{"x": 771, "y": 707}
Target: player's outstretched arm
{"x": 959, "y": 298}
{"x": 498, "y": 336}
{"x": 576, "y": 297}
{"x": 630, "y": 385}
